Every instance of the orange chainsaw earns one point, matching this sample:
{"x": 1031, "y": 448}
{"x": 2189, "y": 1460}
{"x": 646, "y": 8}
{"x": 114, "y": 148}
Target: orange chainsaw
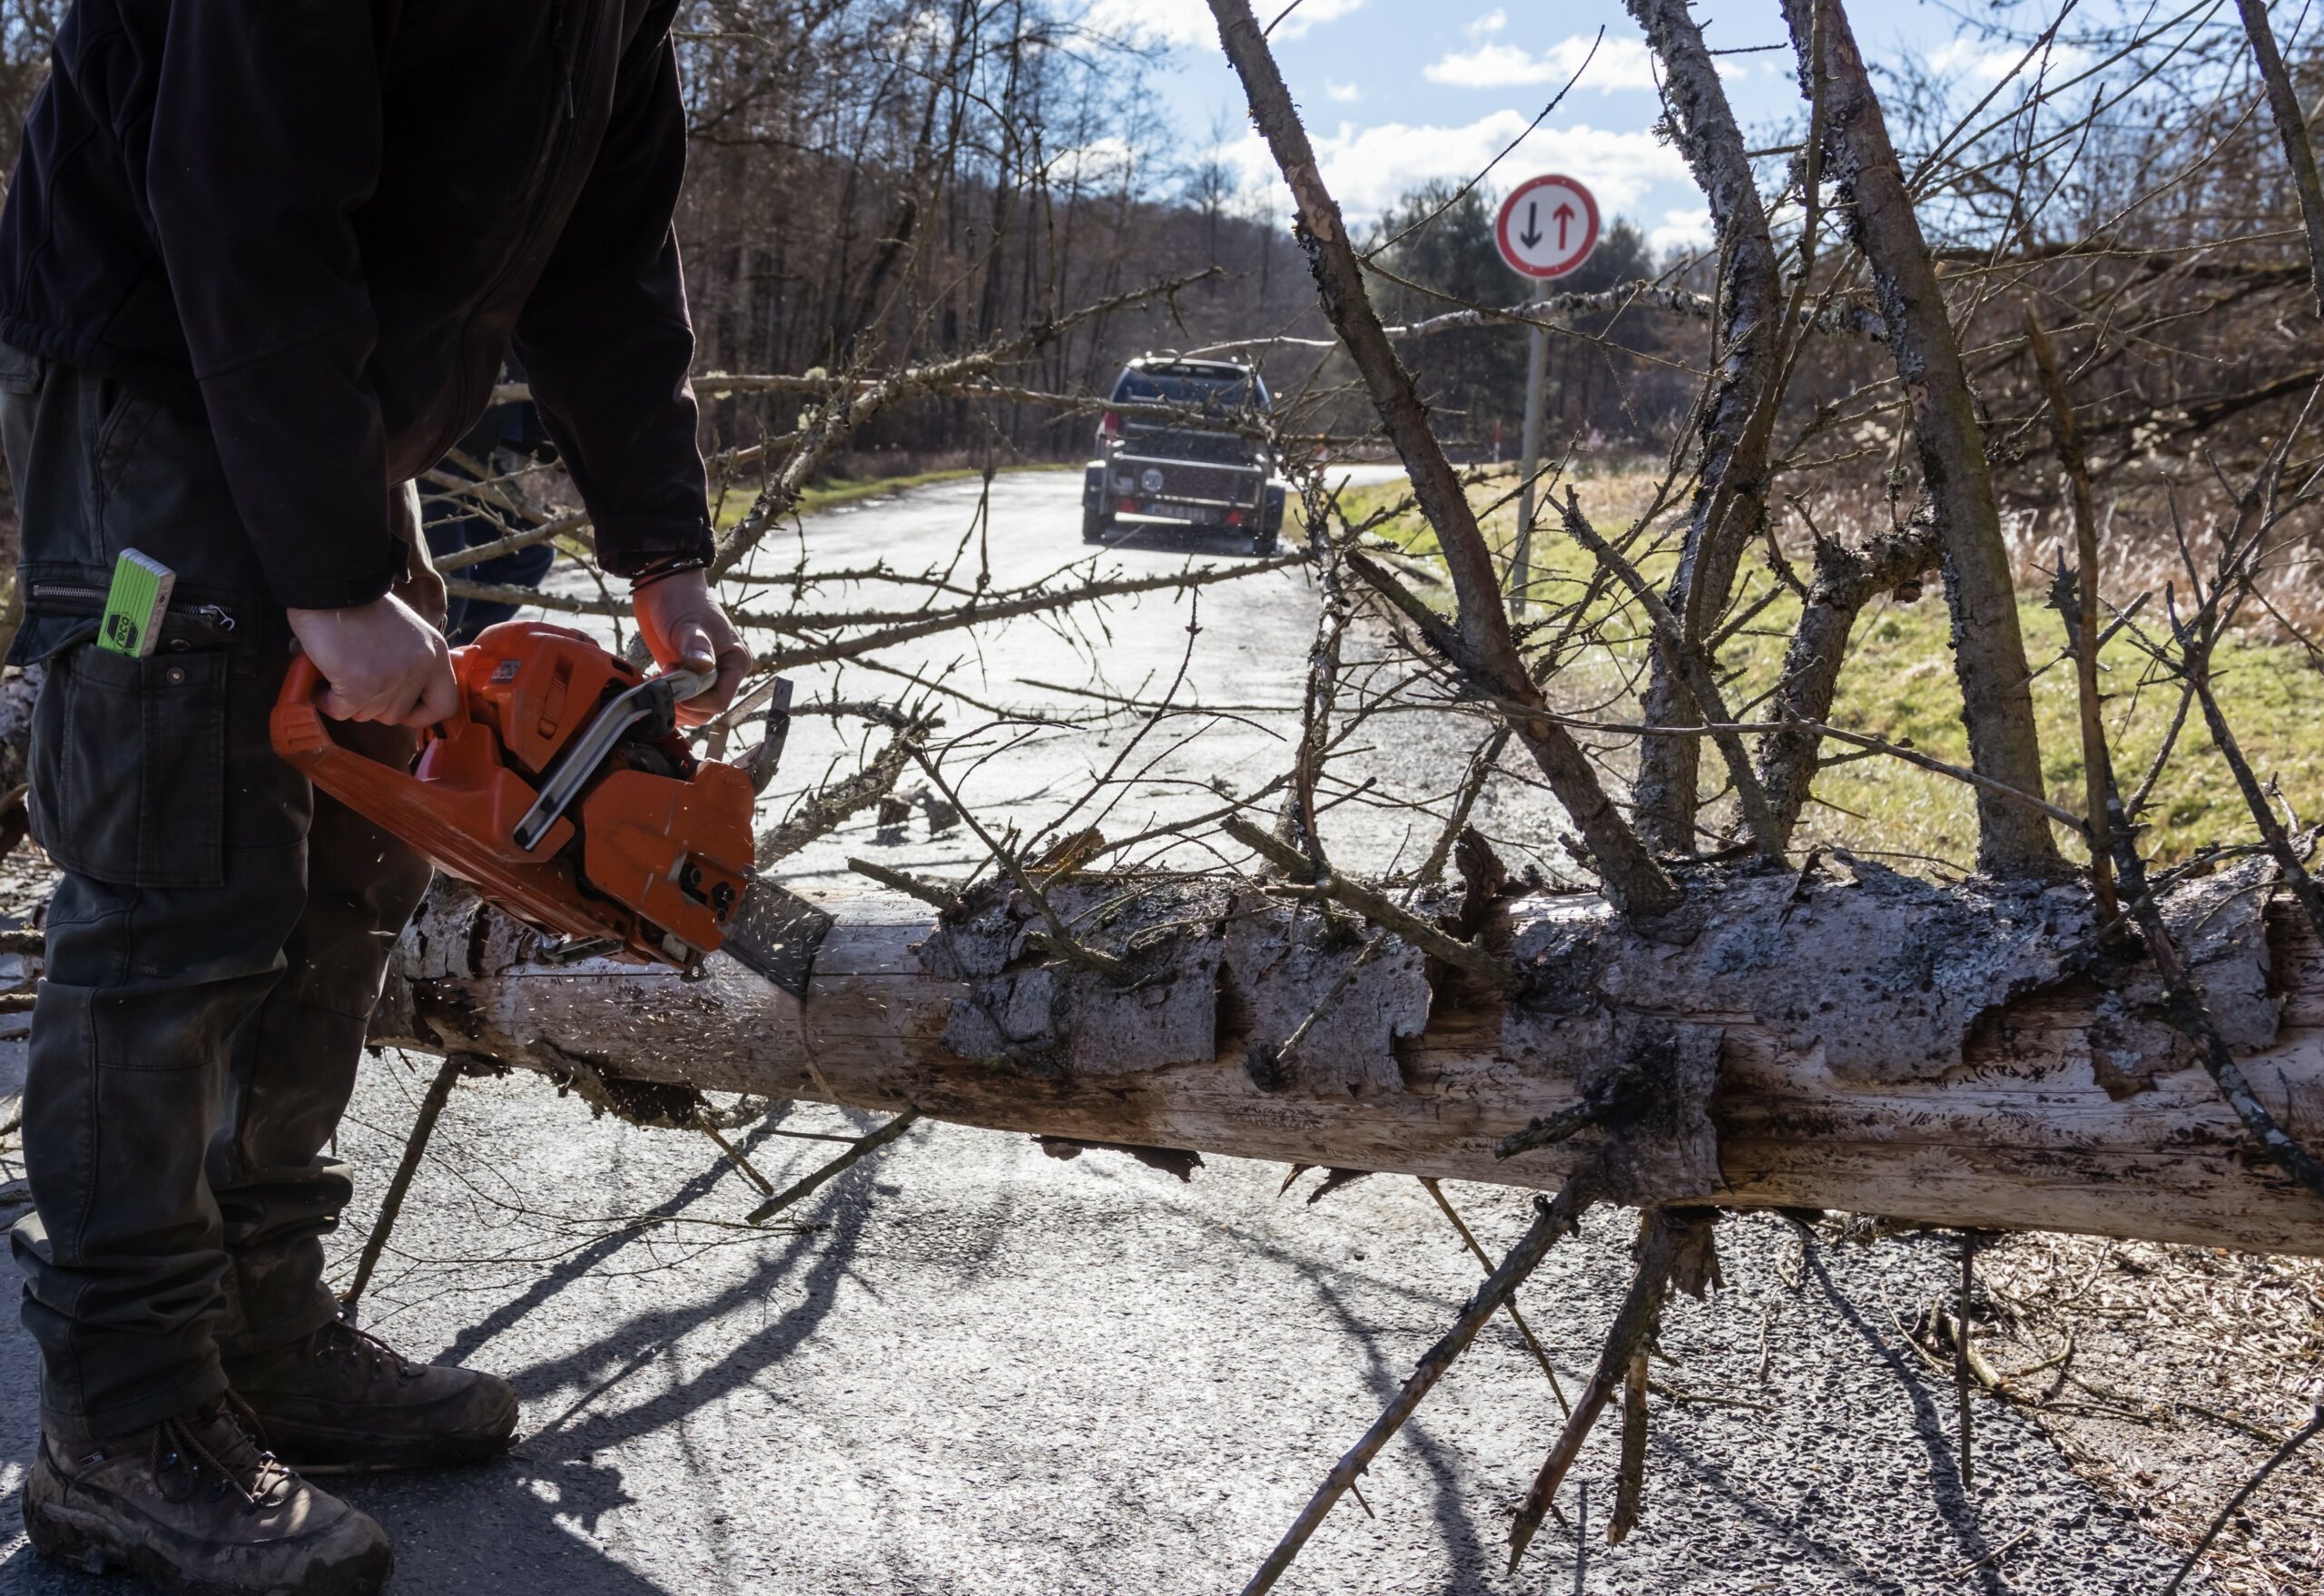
{"x": 564, "y": 793}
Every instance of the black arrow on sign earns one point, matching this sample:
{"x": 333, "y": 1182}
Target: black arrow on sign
{"x": 1532, "y": 234}
{"x": 1564, "y": 213}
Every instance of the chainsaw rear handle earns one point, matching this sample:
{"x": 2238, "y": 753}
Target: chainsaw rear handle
{"x": 305, "y": 683}
{"x": 460, "y": 817}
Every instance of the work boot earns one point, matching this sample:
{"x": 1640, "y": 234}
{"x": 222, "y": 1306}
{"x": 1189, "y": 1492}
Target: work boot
{"x": 191, "y": 1505}
{"x": 342, "y": 1399}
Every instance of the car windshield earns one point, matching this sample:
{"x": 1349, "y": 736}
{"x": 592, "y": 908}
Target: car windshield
{"x": 1208, "y": 390}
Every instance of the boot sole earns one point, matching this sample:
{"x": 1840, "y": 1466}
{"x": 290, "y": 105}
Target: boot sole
{"x": 312, "y": 1449}
{"x": 93, "y": 1542}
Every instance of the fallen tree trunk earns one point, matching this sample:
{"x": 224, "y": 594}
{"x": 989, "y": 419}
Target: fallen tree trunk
{"x": 1958, "y": 1055}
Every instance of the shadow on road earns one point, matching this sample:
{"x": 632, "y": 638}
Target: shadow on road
{"x": 1958, "y": 1508}
{"x": 527, "y": 1524}
{"x": 537, "y": 1515}
{"x": 1177, "y": 538}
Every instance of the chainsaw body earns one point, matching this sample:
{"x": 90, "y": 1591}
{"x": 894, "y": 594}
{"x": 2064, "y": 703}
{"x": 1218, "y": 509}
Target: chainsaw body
{"x": 561, "y": 791}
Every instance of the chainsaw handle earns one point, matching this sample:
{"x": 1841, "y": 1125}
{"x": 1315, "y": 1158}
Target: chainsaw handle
{"x": 686, "y": 683}
{"x": 304, "y": 684}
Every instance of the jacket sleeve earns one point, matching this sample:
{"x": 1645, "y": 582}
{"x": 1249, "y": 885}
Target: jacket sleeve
{"x": 265, "y": 139}
{"x": 605, "y": 339}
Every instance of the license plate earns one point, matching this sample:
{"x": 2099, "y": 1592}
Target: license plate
{"x": 1199, "y": 515}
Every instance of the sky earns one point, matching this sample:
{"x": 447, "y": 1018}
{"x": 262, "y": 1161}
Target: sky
{"x": 1398, "y": 91}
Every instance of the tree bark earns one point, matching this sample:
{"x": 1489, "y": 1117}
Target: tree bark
{"x": 1989, "y": 647}
{"x": 1846, "y": 579}
{"x": 1737, "y": 418}
{"x": 1953, "y": 1054}
{"x": 2291, "y": 126}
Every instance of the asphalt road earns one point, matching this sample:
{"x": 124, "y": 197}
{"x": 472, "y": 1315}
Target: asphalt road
{"x": 1018, "y": 739}
{"x": 980, "y": 1369}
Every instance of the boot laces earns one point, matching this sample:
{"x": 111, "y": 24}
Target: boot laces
{"x": 341, "y": 1338}
{"x": 225, "y": 1440}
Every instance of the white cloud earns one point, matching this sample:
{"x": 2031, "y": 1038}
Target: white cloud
{"x": 1619, "y": 64}
{"x": 1492, "y": 22}
{"x": 1989, "y": 63}
{"x": 1187, "y": 23}
{"x": 1369, "y": 169}
{"x": 1687, "y": 229}
{"x": 1177, "y": 23}
{"x": 1311, "y": 15}
{"x": 1099, "y": 164}
{"x": 1346, "y": 93}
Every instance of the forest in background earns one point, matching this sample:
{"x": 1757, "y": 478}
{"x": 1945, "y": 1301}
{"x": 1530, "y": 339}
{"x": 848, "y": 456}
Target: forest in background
{"x": 882, "y": 183}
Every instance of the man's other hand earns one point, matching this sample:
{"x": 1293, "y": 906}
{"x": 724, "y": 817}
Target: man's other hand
{"x": 381, "y": 661}
{"x": 684, "y": 627}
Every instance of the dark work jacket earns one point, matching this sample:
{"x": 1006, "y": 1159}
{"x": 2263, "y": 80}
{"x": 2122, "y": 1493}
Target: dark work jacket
{"x": 329, "y": 218}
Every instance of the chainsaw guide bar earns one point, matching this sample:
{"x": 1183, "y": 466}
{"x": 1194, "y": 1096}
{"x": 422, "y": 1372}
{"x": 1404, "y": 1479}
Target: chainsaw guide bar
{"x": 563, "y": 791}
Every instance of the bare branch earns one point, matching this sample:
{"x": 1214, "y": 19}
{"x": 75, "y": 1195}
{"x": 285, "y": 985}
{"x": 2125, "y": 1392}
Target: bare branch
{"x": 1551, "y": 1220}
{"x": 2291, "y": 126}
{"x": 1738, "y": 417}
{"x": 1989, "y": 650}
{"x": 1633, "y": 882}
{"x": 1692, "y": 670}
{"x": 2083, "y": 623}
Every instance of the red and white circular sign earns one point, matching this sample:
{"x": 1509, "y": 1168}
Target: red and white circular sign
{"x": 1547, "y": 227}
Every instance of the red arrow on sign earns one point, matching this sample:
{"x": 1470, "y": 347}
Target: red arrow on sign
{"x": 1530, "y": 248}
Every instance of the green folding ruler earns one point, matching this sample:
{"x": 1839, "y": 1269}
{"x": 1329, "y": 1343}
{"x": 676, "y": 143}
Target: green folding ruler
{"x": 135, "y": 606}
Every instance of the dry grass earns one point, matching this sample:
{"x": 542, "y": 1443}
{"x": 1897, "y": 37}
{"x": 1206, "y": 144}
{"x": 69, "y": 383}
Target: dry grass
{"x": 1899, "y": 684}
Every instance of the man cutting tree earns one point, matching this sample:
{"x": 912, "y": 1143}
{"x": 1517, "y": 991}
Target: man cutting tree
{"x": 259, "y": 266}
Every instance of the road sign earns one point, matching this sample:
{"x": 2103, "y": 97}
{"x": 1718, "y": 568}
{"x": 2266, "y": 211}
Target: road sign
{"x": 1547, "y": 227}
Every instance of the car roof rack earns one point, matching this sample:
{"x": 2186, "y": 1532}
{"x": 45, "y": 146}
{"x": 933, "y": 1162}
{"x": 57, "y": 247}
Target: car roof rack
{"x": 1165, "y": 357}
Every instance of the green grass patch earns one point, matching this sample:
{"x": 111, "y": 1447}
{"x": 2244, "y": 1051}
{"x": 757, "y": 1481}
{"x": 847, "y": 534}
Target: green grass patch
{"x": 1899, "y": 684}
{"x": 823, "y": 496}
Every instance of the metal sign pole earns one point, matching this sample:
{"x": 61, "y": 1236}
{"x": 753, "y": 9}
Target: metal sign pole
{"x": 1520, "y": 576}
{"x": 1548, "y": 226}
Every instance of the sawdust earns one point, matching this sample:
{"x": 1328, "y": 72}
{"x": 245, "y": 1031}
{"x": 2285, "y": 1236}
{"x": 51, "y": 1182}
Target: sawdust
{"x": 2188, "y": 1366}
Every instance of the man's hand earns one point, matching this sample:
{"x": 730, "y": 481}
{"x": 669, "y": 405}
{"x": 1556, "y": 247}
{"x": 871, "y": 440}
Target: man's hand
{"x": 382, "y": 663}
{"x": 684, "y": 627}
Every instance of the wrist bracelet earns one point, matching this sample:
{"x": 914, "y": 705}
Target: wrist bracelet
{"x": 676, "y": 565}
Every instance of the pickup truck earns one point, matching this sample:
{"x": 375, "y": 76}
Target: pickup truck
{"x": 1207, "y": 465}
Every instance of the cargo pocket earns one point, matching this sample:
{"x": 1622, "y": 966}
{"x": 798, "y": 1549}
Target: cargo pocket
{"x": 128, "y": 767}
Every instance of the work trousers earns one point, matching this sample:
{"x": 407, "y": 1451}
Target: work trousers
{"x": 215, "y": 947}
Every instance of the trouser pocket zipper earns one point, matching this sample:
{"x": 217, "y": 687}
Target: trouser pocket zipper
{"x": 201, "y": 619}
